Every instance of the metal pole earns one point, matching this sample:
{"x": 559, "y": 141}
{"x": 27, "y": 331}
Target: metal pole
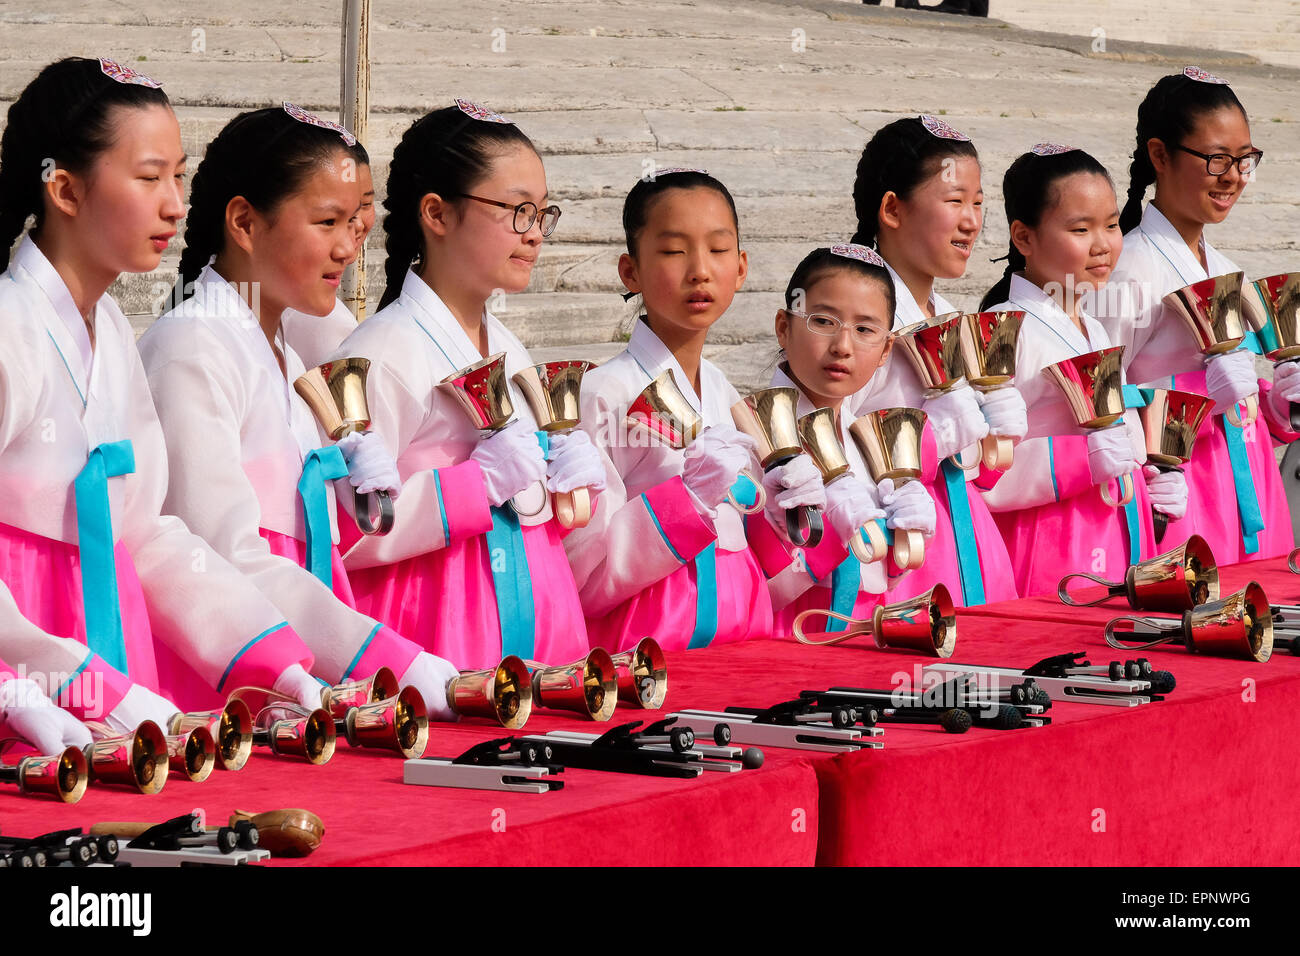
{"x": 354, "y": 113}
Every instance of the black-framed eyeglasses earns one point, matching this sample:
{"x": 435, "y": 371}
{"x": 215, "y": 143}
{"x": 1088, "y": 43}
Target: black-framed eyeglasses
{"x": 526, "y": 213}
{"x": 1216, "y": 164}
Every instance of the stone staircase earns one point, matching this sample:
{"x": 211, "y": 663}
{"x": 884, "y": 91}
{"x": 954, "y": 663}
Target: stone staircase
{"x": 776, "y": 99}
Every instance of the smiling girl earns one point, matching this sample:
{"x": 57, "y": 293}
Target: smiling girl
{"x": 93, "y": 151}
{"x": 918, "y": 199}
{"x": 1065, "y": 240}
{"x": 271, "y": 227}
{"x": 462, "y": 571}
{"x": 1194, "y": 144}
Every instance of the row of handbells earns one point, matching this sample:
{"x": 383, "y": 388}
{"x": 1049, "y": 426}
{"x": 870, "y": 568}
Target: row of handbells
{"x": 979, "y": 347}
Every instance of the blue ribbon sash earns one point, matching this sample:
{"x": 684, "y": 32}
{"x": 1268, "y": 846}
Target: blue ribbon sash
{"x": 320, "y": 466}
{"x": 963, "y": 533}
{"x": 99, "y": 596}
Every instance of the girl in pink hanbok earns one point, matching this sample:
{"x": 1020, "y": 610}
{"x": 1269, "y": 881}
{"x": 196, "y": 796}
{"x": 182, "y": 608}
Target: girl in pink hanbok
{"x": 1193, "y": 143}
{"x": 272, "y": 225}
{"x": 463, "y": 571}
{"x": 1065, "y": 240}
{"x": 919, "y": 202}
{"x": 834, "y": 335}
{"x": 93, "y": 150}
{"x": 669, "y": 557}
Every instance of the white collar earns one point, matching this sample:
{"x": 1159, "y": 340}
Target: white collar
{"x": 1029, "y": 298}
{"x": 649, "y": 352}
{"x": 906, "y": 309}
{"x": 442, "y": 326}
{"x": 70, "y": 334}
{"x": 1171, "y": 245}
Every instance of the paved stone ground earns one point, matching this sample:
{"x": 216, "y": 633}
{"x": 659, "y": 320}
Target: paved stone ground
{"x": 776, "y": 98}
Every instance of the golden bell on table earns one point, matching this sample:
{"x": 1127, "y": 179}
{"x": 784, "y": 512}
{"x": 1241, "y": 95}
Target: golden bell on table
{"x": 1175, "y": 581}
{"x": 642, "y": 674}
{"x": 926, "y": 624}
{"x": 587, "y": 686}
{"x": 503, "y": 693}
{"x": 1239, "y": 626}
{"x": 231, "y": 729}
{"x": 63, "y": 776}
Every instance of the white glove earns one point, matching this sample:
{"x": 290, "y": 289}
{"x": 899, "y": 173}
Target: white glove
{"x": 849, "y": 505}
{"x": 908, "y": 506}
{"x": 713, "y": 461}
{"x": 1110, "y": 453}
{"x": 956, "y": 419}
{"x": 138, "y": 705}
{"x": 1231, "y": 377}
{"x": 1167, "y": 491}
{"x": 370, "y": 466}
{"x": 299, "y": 686}
{"x": 574, "y": 463}
{"x": 795, "y": 484}
{"x": 429, "y": 675}
{"x": 1004, "y": 409}
{"x": 1286, "y": 388}
{"x": 511, "y": 460}
{"x": 32, "y": 715}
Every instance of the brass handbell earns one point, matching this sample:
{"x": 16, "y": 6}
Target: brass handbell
{"x": 1175, "y": 581}
{"x": 768, "y": 417}
{"x": 1274, "y": 313}
{"x": 1213, "y": 312}
{"x": 1170, "y": 421}
{"x": 1093, "y": 385}
{"x": 63, "y": 776}
{"x": 820, "y": 438}
{"x": 1238, "y": 626}
{"x": 662, "y": 412}
{"x": 312, "y": 737}
{"x": 193, "y": 753}
{"x": 482, "y": 392}
{"x": 553, "y": 391}
{"x": 642, "y": 674}
{"x": 336, "y": 393}
{"x": 890, "y": 442}
{"x": 231, "y": 729}
{"x": 587, "y": 686}
{"x": 136, "y": 760}
{"x": 988, "y": 347}
{"x": 341, "y": 698}
{"x": 935, "y": 350}
{"x": 399, "y": 723}
{"x": 926, "y": 624}
{"x": 503, "y": 693}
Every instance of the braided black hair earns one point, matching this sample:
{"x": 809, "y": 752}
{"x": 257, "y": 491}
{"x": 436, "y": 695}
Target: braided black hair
{"x": 1028, "y": 191}
{"x": 1169, "y": 113}
{"x": 898, "y": 158}
{"x": 444, "y": 152}
{"x": 65, "y": 117}
{"x": 263, "y": 155}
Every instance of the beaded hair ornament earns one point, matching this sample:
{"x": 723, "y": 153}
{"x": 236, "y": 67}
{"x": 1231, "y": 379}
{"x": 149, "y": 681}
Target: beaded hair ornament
{"x": 311, "y": 119}
{"x": 937, "y": 127}
{"x": 124, "y": 74}
{"x": 851, "y": 250}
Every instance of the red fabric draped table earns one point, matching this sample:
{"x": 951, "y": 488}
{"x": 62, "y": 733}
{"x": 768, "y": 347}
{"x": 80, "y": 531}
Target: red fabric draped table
{"x": 1202, "y": 777}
